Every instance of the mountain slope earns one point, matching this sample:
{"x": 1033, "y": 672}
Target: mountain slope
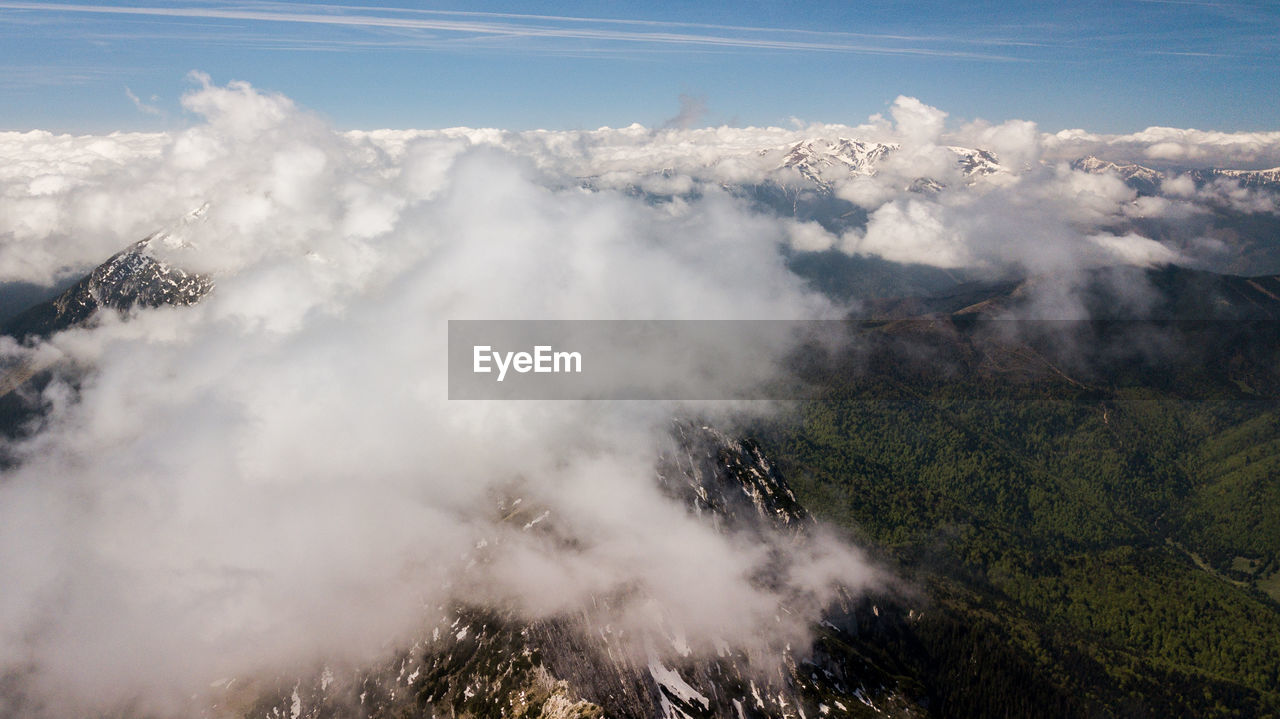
{"x": 1116, "y": 536}
{"x": 131, "y": 278}
{"x": 823, "y": 161}
{"x": 484, "y": 662}
{"x": 1148, "y": 181}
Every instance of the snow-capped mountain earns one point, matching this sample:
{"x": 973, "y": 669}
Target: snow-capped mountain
{"x": 1147, "y": 180}
{"x": 814, "y": 159}
{"x": 823, "y": 161}
{"x": 975, "y": 161}
{"x": 133, "y": 277}
{"x": 1252, "y": 178}
{"x": 1127, "y": 171}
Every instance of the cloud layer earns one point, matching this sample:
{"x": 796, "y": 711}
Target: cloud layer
{"x": 276, "y": 475}
{"x": 67, "y": 202}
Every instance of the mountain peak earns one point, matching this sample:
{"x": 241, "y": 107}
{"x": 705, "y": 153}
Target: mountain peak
{"x": 822, "y": 160}
{"x": 133, "y": 277}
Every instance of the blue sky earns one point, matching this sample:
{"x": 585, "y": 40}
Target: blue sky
{"x": 1105, "y": 66}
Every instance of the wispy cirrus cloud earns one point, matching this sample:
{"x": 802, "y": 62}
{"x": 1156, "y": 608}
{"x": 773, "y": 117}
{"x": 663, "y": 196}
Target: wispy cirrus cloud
{"x": 26, "y": 77}
{"x": 143, "y": 107}
{"x": 440, "y": 27}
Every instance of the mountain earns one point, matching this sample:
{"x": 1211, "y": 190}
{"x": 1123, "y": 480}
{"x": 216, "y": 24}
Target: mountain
{"x": 1167, "y": 292}
{"x": 1117, "y": 555}
{"x": 976, "y": 162}
{"x": 814, "y": 159}
{"x": 1143, "y": 179}
{"x": 821, "y": 161}
{"x": 1250, "y": 178}
{"x": 1183, "y": 332}
{"x": 1147, "y": 181}
{"x": 130, "y": 278}
{"x": 1106, "y": 557}
{"x": 1119, "y": 550}
{"x": 490, "y": 662}
{"x": 482, "y": 662}
{"x": 1054, "y": 486}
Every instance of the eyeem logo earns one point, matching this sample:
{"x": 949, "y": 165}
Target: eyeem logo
{"x": 543, "y": 360}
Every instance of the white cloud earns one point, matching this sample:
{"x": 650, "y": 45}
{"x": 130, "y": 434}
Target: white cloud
{"x": 143, "y": 107}
{"x": 911, "y": 231}
{"x": 67, "y": 202}
{"x": 1133, "y": 249}
{"x": 916, "y": 123}
{"x": 275, "y": 475}
{"x": 810, "y": 237}
{"x": 1179, "y": 147}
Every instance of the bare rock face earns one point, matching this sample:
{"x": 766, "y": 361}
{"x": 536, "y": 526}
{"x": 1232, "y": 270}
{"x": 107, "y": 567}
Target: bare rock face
{"x": 131, "y": 278}
{"x": 482, "y": 662}
{"x": 821, "y": 161}
{"x": 818, "y": 159}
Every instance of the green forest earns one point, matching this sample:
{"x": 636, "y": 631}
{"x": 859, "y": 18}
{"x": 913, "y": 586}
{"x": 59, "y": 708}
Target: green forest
{"x": 1103, "y": 556}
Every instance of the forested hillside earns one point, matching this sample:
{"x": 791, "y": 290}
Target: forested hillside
{"x": 1122, "y": 554}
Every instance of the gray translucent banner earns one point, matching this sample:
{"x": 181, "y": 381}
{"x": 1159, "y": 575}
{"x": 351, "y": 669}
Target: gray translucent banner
{"x": 606, "y": 359}
{"x": 946, "y": 357}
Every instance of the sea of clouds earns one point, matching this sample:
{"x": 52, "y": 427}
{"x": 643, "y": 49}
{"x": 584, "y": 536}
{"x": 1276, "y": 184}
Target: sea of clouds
{"x": 275, "y": 475}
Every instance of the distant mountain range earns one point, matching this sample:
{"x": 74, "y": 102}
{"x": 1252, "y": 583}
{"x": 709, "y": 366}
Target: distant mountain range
{"x": 1194, "y": 334}
{"x": 1178, "y": 294}
{"x": 1147, "y": 180}
{"x": 821, "y": 161}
